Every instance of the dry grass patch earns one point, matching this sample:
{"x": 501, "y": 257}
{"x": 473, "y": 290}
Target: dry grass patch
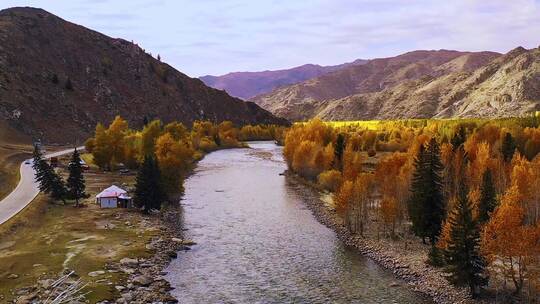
{"x": 46, "y": 239}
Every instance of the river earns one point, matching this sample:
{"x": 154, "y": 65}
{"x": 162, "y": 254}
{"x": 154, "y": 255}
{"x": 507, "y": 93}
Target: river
{"x": 258, "y": 243}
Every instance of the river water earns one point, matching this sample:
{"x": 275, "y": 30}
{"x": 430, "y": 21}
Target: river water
{"x": 258, "y": 243}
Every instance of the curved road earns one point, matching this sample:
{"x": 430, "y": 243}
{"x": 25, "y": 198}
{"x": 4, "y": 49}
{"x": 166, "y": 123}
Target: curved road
{"x": 26, "y": 190}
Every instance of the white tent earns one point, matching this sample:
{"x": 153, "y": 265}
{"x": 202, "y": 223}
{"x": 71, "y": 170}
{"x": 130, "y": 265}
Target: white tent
{"x": 114, "y": 197}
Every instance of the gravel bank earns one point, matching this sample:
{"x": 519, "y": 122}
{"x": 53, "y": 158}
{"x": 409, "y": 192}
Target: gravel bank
{"x": 406, "y": 264}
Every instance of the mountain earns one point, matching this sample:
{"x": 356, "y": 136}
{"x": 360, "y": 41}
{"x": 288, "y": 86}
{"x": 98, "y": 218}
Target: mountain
{"x": 306, "y": 99}
{"x": 246, "y": 85}
{"x": 507, "y": 86}
{"x": 58, "y": 79}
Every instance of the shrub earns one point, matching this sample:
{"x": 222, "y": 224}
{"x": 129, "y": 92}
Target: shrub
{"x": 207, "y": 145}
{"x": 330, "y": 180}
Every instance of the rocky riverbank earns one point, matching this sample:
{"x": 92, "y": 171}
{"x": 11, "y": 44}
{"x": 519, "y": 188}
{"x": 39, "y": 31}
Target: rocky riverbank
{"x": 406, "y": 259}
{"x": 135, "y": 278}
{"x": 145, "y": 283}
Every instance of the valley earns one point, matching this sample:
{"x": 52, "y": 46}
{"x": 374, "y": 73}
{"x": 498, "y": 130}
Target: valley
{"x": 219, "y": 152}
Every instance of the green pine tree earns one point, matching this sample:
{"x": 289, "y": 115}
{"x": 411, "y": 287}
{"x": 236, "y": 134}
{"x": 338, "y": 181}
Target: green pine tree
{"x": 339, "y": 147}
{"x": 488, "y": 199}
{"x": 459, "y": 138}
{"x": 465, "y": 264}
{"x": 426, "y": 205}
{"x": 75, "y": 183}
{"x": 37, "y": 163}
{"x": 148, "y": 189}
{"x": 49, "y": 181}
{"x": 417, "y": 198}
{"x": 508, "y": 147}
{"x": 58, "y": 187}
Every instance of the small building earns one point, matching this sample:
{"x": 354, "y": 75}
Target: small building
{"x": 114, "y": 197}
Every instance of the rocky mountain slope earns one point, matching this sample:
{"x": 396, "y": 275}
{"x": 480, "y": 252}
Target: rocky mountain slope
{"x": 58, "y": 79}
{"x": 508, "y": 86}
{"x": 307, "y": 99}
{"x": 246, "y": 85}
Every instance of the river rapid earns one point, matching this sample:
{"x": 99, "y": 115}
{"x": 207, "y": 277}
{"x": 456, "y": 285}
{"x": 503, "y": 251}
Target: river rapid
{"x": 258, "y": 243}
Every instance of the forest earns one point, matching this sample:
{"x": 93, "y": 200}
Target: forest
{"x": 466, "y": 187}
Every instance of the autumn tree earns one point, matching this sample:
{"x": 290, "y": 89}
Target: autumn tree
{"x": 177, "y": 130}
{"x": 392, "y": 181}
{"x": 351, "y": 163}
{"x": 102, "y": 148}
{"x": 343, "y": 200}
{"x": 465, "y": 263}
{"x": 227, "y": 135}
{"x": 174, "y": 157}
{"x": 389, "y": 211}
{"x": 149, "y": 135}
{"x": 330, "y": 179}
{"x": 116, "y": 133}
{"x": 302, "y": 159}
{"x": 510, "y": 244}
{"x": 360, "y": 202}
{"x": 132, "y": 143}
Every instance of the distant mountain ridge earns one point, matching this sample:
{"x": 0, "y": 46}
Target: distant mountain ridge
{"x": 325, "y": 96}
{"x": 246, "y": 85}
{"x": 509, "y": 85}
{"x": 58, "y": 79}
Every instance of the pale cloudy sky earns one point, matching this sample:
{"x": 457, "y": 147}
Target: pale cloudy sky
{"x": 201, "y": 37}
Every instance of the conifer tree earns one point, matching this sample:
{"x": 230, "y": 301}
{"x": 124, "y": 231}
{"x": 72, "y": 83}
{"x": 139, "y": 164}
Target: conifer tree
{"x": 75, "y": 182}
{"x": 426, "y": 205}
{"x": 459, "y": 138}
{"x": 37, "y": 163}
{"x": 338, "y": 149}
{"x": 58, "y": 187}
{"x": 508, "y": 147}
{"x": 465, "y": 263}
{"x": 417, "y": 198}
{"x": 148, "y": 189}
{"x": 49, "y": 181}
{"x": 488, "y": 200}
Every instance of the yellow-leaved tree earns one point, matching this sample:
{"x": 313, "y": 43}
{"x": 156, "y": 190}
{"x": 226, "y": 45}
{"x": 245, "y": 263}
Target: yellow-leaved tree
{"x": 102, "y": 148}
{"x": 149, "y": 135}
{"x": 174, "y": 158}
{"x": 117, "y": 130}
{"x": 509, "y": 244}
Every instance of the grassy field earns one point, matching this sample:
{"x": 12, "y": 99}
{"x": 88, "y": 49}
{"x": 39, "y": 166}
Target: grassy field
{"x": 45, "y": 239}
{"x": 378, "y": 124}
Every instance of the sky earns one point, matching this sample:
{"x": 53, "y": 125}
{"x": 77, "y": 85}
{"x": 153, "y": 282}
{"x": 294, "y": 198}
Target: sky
{"x": 201, "y": 37}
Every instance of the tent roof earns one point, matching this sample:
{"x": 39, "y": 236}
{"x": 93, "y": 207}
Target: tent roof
{"x": 112, "y": 191}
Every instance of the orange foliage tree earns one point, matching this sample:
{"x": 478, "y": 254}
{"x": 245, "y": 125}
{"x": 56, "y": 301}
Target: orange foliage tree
{"x": 509, "y": 244}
